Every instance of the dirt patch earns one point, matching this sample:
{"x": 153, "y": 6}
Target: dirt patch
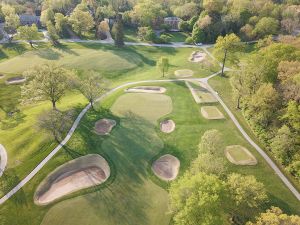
{"x": 239, "y": 155}
{"x": 184, "y": 73}
{"x": 15, "y": 80}
{"x": 147, "y": 89}
{"x": 80, "y": 173}
{"x": 166, "y": 167}
{"x": 167, "y": 126}
{"x": 104, "y": 126}
{"x": 211, "y": 113}
{"x": 197, "y": 56}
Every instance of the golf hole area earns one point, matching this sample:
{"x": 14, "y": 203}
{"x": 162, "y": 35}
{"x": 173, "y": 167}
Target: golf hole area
{"x": 211, "y": 113}
{"x": 147, "y": 89}
{"x": 104, "y": 126}
{"x": 239, "y": 155}
{"x": 75, "y": 175}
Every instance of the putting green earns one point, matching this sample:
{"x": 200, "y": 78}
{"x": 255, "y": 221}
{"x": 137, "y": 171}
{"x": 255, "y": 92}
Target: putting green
{"x": 150, "y": 107}
{"x": 239, "y": 155}
{"x": 73, "y": 58}
{"x": 211, "y": 113}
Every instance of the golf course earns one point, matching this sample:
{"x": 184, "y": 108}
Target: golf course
{"x": 132, "y": 193}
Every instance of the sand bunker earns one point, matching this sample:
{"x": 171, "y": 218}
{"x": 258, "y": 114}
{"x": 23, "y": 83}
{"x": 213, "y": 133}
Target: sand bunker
{"x": 147, "y": 89}
{"x": 166, "y": 167}
{"x": 211, "y": 113}
{"x": 104, "y": 126}
{"x": 197, "y": 56}
{"x": 80, "y": 173}
{"x": 15, "y": 80}
{"x": 167, "y": 126}
{"x": 184, "y": 73}
{"x": 239, "y": 155}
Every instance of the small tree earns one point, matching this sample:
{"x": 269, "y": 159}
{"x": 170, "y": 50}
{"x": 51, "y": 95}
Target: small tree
{"x": 92, "y": 86}
{"x": 117, "y": 32}
{"x": 163, "y": 65}
{"x": 211, "y": 142}
{"x": 28, "y": 33}
{"x": 52, "y": 33}
{"x": 227, "y": 46}
{"x": 12, "y": 20}
{"x": 55, "y": 123}
{"x": 45, "y": 82}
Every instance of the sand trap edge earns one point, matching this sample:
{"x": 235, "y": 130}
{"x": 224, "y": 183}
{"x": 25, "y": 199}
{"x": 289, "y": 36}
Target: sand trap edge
{"x": 15, "y": 80}
{"x": 146, "y": 89}
{"x": 194, "y": 54}
{"x": 206, "y": 116}
{"x": 167, "y": 131}
{"x": 249, "y": 162}
{"x": 157, "y": 173}
{"x": 73, "y": 166}
{"x": 112, "y": 125}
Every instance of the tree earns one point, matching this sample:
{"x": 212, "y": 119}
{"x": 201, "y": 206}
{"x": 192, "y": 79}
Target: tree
{"x": 148, "y": 13}
{"x": 211, "y": 142}
{"x": 263, "y": 105}
{"x": 227, "y": 46}
{"x": 12, "y": 20}
{"x": 46, "y": 16}
{"x": 214, "y": 5}
{"x": 61, "y": 22}
{"x": 55, "y": 123}
{"x": 81, "y": 20}
{"x": 292, "y": 116}
{"x": 45, "y": 82}
{"x": 197, "y": 199}
{"x": 146, "y": 34}
{"x": 52, "y": 33}
{"x": 266, "y": 26}
{"x": 163, "y": 65}
{"x": 275, "y": 216}
{"x": 283, "y": 145}
{"x": 198, "y": 34}
{"x": 29, "y": 33}
{"x": 209, "y": 164}
{"x": 117, "y": 32}
{"x": 92, "y": 86}
{"x": 237, "y": 81}
{"x": 187, "y": 11}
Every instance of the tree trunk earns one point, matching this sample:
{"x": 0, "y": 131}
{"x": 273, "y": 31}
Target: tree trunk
{"x": 30, "y": 42}
{"x": 224, "y": 60}
{"x": 54, "y": 105}
{"x": 92, "y": 104}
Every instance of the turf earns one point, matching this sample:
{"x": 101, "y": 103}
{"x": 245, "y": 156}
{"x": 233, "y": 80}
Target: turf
{"x": 211, "y": 112}
{"x": 148, "y": 106}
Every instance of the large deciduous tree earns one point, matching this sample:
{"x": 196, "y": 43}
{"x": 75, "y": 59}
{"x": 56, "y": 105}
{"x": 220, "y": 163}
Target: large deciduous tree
{"x": 197, "y": 199}
{"x": 45, "y": 82}
{"x": 81, "y": 19}
{"x": 12, "y": 20}
{"x": 117, "y": 32}
{"x": 29, "y": 33}
{"x": 226, "y": 47}
{"x": 211, "y": 142}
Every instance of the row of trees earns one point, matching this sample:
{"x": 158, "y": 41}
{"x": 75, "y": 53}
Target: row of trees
{"x": 267, "y": 89}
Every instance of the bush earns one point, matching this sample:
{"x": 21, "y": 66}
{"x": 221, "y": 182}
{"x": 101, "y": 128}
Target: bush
{"x": 198, "y": 35}
{"x": 189, "y": 40}
{"x": 146, "y": 34}
{"x": 184, "y": 26}
{"x": 165, "y": 27}
{"x": 164, "y": 39}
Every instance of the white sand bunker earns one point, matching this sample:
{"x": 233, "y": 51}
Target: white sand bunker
{"x": 197, "y": 56}
{"x": 184, "y": 73}
{"x": 104, "y": 126}
{"x": 211, "y": 113}
{"x": 239, "y": 155}
{"x": 166, "y": 167}
{"x": 147, "y": 89}
{"x": 167, "y": 126}
{"x": 15, "y": 80}
{"x": 80, "y": 173}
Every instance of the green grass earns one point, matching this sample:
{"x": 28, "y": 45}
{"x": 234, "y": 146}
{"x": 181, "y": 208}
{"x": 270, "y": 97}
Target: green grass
{"x": 133, "y": 194}
{"x": 178, "y": 36}
{"x": 238, "y": 154}
{"x": 212, "y": 112}
{"x": 148, "y": 106}
{"x": 130, "y": 34}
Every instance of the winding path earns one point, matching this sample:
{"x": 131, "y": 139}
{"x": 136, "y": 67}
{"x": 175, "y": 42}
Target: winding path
{"x": 3, "y": 159}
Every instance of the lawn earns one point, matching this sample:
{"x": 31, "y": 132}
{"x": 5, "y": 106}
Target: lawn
{"x": 238, "y": 154}
{"x": 133, "y": 194}
{"x": 178, "y": 36}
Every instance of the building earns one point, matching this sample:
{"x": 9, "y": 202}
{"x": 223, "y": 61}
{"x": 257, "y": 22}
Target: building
{"x": 27, "y": 19}
{"x": 173, "y": 22}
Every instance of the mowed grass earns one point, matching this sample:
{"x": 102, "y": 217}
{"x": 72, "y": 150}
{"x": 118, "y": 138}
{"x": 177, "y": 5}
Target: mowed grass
{"x": 148, "y": 106}
{"x": 134, "y": 195}
{"x": 238, "y": 154}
